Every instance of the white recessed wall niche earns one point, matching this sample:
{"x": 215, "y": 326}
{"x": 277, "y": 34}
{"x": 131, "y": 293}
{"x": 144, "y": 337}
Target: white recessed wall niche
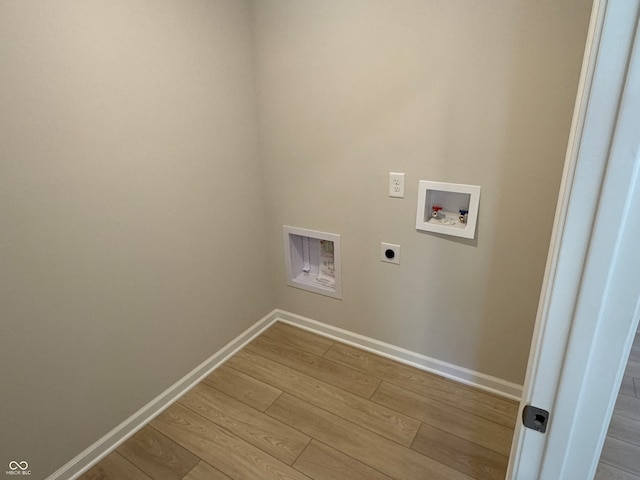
{"x": 312, "y": 261}
{"x": 448, "y": 208}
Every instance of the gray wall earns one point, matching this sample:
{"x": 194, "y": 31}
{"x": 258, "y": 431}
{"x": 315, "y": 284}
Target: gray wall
{"x": 131, "y": 210}
{"x": 135, "y": 197}
{"x": 446, "y": 90}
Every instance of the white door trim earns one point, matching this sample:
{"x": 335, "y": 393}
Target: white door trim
{"x": 584, "y": 260}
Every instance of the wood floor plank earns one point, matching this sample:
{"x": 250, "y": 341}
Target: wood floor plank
{"x": 634, "y": 356}
{"x": 476, "y": 461}
{"x": 242, "y": 387}
{"x": 115, "y": 467}
{"x": 157, "y": 456}
{"x": 627, "y": 387}
{"x": 322, "y": 462}
{"x": 363, "y": 445}
{"x": 465, "y": 425}
{"x": 330, "y": 372}
{"x": 625, "y": 429}
{"x": 607, "y": 472}
{"x": 377, "y": 418}
{"x": 633, "y": 369}
{"x": 204, "y": 471}
{"x": 636, "y": 384}
{"x": 262, "y": 431}
{"x": 622, "y": 455}
{"x": 230, "y": 454}
{"x": 297, "y": 337}
{"x": 280, "y": 410}
{"x": 628, "y": 407}
{"x": 491, "y": 407}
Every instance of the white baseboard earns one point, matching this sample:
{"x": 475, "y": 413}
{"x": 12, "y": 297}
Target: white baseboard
{"x": 112, "y": 440}
{"x": 459, "y": 374}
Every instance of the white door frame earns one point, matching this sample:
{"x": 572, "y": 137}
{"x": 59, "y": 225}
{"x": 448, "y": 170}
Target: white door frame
{"x": 589, "y": 306}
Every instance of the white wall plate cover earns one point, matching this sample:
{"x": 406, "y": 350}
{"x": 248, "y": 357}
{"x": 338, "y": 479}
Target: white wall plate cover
{"x": 452, "y": 197}
{"x": 305, "y": 256}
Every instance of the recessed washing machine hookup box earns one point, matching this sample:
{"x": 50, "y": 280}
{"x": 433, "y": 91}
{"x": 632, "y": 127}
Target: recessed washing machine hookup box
{"x": 312, "y": 261}
{"x": 448, "y": 208}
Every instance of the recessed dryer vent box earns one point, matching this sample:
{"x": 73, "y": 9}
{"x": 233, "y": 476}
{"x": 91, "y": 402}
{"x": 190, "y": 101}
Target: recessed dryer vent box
{"x": 312, "y": 261}
{"x": 442, "y": 207}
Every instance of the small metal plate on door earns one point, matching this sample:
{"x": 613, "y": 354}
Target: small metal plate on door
{"x": 535, "y": 418}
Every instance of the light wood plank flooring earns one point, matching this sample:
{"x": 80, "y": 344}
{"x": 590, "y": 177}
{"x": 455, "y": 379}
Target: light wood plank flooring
{"x": 294, "y": 405}
{"x": 620, "y": 458}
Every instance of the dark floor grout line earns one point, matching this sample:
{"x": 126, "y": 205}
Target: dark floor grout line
{"x": 383, "y": 376}
{"x": 352, "y": 458}
{"x": 627, "y": 417}
{"x": 633, "y": 415}
{"x": 324, "y": 355}
{"x": 301, "y": 451}
{"x": 132, "y": 463}
{"x": 623, "y": 440}
{"x": 372, "y": 432}
{"x": 169, "y": 438}
{"x": 413, "y": 440}
{"x": 376, "y": 391}
{"x": 191, "y": 469}
{"x": 357, "y": 369}
{"x": 422, "y": 422}
{"x": 266, "y": 334}
{"x": 253, "y": 378}
{"x": 284, "y": 391}
{"x": 274, "y": 401}
{"x": 310, "y": 375}
{"x": 291, "y": 427}
{"x": 293, "y": 394}
{"x": 240, "y": 401}
{"x": 201, "y": 460}
{"x": 369, "y": 399}
{"x": 346, "y": 392}
{"x": 233, "y": 434}
{"x": 327, "y": 350}
{"x": 177, "y": 442}
{"x": 620, "y": 467}
{"x": 428, "y": 425}
{"x": 441, "y": 402}
{"x": 347, "y": 420}
{"x": 295, "y": 347}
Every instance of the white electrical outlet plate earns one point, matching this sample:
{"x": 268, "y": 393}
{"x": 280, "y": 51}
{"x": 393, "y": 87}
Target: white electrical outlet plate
{"x": 390, "y": 253}
{"x": 396, "y": 184}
